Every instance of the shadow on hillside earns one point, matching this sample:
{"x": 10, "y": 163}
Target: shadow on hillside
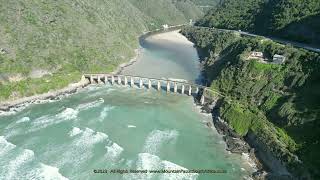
{"x": 306, "y": 30}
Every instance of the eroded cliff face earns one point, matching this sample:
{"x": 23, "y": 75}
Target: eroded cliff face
{"x": 275, "y": 102}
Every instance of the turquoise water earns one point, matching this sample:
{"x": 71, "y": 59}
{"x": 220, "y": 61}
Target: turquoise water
{"x": 110, "y": 127}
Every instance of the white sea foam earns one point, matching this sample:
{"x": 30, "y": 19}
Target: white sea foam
{"x": 90, "y": 137}
{"x": 113, "y": 152}
{"x": 13, "y": 166}
{"x": 22, "y": 120}
{"x": 5, "y": 146}
{"x": 15, "y": 109}
{"x": 45, "y": 172}
{"x": 80, "y": 150}
{"x": 146, "y": 161}
{"x": 45, "y": 121}
{"x": 131, "y": 126}
{"x": 19, "y": 163}
{"x": 251, "y": 163}
{"x": 156, "y": 138}
{"x": 175, "y": 176}
{"x": 75, "y": 131}
{"x": 86, "y": 106}
{"x": 68, "y": 114}
{"x": 105, "y": 112}
{"x": 99, "y": 92}
{"x": 7, "y": 113}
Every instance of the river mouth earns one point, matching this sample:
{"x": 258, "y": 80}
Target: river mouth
{"x": 166, "y": 55}
{"x": 106, "y": 127}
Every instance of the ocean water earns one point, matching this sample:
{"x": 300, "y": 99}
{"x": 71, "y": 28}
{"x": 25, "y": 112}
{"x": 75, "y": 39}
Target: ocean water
{"x": 105, "y": 127}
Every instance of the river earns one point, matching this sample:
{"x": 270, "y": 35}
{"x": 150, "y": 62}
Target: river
{"x": 110, "y": 127}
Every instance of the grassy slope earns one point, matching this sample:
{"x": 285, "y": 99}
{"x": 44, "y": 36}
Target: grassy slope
{"x": 279, "y": 103}
{"x": 71, "y": 37}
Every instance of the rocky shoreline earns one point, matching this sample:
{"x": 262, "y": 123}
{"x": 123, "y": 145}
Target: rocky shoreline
{"x": 18, "y": 104}
{"x": 267, "y": 167}
{"x": 234, "y": 142}
{"x": 12, "y": 106}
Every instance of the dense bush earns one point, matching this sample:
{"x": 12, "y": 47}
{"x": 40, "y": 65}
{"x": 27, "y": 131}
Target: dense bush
{"x": 292, "y": 19}
{"x": 278, "y": 102}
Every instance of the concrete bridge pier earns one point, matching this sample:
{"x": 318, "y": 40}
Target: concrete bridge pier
{"x": 140, "y": 83}
{"x": 131, "y": 81}
{"x": 119, "y": 80}
{"x": 91, "y": 79}
{"x": 168, "y": 86}
{"x": 175, "y": 89}
{"x": 182, "y": 89}
{"x": 112, "y": 80}
{"x": 98, "y": 79}
{"x": 190, "y": 91}
{"x": 159, "y": 86}
{"x": 202, "y": 100}
{"x": 197, "y": 90}
{"x": 125, "y": 80}
{"x": 149, "y": 84}
{"x": 105, "y": 79}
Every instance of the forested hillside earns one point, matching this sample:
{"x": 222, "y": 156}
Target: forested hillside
{"x": 276, "y": 103}
{"x": 42, "y": 41}
{"x": 296, "y": 20}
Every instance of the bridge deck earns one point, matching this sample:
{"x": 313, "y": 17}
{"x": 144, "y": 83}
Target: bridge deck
{"x": 180, "y": 82}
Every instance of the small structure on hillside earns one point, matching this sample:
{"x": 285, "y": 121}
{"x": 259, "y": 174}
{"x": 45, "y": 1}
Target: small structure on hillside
{"x": 255, "y": 54}
{"x": 3, "y": 51}
{"x": 165, "y": 26}
{"x": 278, "y": 59}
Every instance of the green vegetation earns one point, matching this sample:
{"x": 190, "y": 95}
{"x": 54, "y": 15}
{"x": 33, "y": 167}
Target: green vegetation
{"x": 279, "y": 103}
{"x": 72, "y": 37}
{"x": 206, "y": 5}
{"x": 296, "y": 20}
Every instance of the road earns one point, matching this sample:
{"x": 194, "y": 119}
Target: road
{"x": 279, "y": 40}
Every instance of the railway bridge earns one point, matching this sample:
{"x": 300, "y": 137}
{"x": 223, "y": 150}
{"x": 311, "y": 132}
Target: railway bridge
{"x": 168, "y": 84}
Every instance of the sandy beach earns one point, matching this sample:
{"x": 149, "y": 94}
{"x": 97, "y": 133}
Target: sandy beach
{"x": 173, "y": 36}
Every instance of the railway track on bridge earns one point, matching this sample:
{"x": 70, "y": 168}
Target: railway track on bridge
{"x": 170, "y": 85}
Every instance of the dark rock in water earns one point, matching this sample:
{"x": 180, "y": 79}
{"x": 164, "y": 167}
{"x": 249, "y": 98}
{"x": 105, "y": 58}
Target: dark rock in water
{"x": 260, "y": 175}
{"x": 206, "y": 109}
{"x": 224, "y": 129}
{"x": 236, "y": 145}
{"x": 273, "y": 176}
{"x": 209, "y": 124}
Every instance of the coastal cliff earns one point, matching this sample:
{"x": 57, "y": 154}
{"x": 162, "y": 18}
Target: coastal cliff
{"x": 273, "y": 106}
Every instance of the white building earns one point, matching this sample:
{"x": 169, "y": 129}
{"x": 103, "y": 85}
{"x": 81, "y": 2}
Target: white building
{"x": 165, "y": 26}
{"x": 278, "y": 59}
{"x": 255, "y": 54}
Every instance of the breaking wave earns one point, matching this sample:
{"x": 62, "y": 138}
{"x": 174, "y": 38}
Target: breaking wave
{"x": 104, "y": 113}
{"x": 45, "y": 172}
{"x": 81, "y": 149}
{"x": 86, "y": 106}
{"x": 22, "y": 120}
{"x": 156, "y": 138}
{"x": 146, "y": 161}
{"x": 17, "y": 163}
{"x": 113, "y": 152}
{"x": 75, "y": 131}
{"x": 45, "y": 121}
